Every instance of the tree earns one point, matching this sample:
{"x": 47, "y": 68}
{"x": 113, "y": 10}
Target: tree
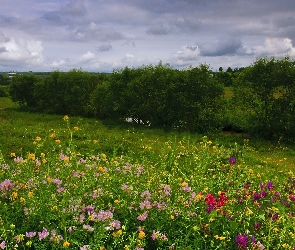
{"x": 265, "y": 91}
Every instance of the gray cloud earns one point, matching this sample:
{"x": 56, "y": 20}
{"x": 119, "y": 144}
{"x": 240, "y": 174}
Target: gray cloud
{"x": 224, "y": 46}
{"x": 226, "y": 31}
{"x": 105, "y": 47}
{"x": 3, "y": 49}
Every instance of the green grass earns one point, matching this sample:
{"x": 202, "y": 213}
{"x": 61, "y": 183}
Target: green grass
{"x": 89, "y": 184}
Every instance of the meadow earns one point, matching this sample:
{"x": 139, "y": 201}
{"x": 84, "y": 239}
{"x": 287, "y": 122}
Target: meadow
{"x": 77, "y": 183}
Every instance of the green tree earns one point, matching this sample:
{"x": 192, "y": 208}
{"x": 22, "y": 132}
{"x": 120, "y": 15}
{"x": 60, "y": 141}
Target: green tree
{"x": 22, "y": 89}
{"x": 265, "y": 91}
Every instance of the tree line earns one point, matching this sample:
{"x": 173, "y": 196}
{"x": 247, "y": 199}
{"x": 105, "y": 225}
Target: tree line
{"x": 193, "y": 99}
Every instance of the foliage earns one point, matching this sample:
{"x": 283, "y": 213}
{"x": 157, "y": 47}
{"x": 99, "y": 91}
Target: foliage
{"x": 162, "y": 97}
{"x": 22, "y": 89}
{"x": 265, "y": 93}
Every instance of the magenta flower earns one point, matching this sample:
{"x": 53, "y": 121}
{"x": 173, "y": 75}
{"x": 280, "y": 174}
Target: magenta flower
{"x": 232, "y": 160}
{"x": 242, "y": 241}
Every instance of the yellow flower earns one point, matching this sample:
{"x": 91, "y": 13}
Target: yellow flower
{"x": 14, "y": 195}
{"x": 57, "y": 141}
{"x": 216, "y": 237}
{"x": 116, "y": 201}
{"x": 44, "y": 161}
{"x": 66, "y": 244}
{"x": 117, "y": 233}
{"x": 285, "y": 245}
{"x": 249, "y": 212}
{"x": 30, "y": 194}
{"x": 251, "y": 171}
{"x": 184, "y": 184}
{"x": 66, "y": 117}
{"x": 222, "y": 238}
{"x": 95, "y": 141}
{"x": 42, "y": 155}
{"x": 276, "y": 229}
{"x": 76, "y": 128}
{"x": 141, "y": 235}
{"x": 52, "y": 135}
{"x": 22, "y": 200}
{"x": 172, "y": 217}
{"x": 100, "y": 169}
{"x": 49, "y": 179}
{"x": 12, "y": 155}
{"x": 31, "y": 157}
{"x": 38, "y": 138}
{"x": 54, "y": 208}
{"x": 66, "y": 159}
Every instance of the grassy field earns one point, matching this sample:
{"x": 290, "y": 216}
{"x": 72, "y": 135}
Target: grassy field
{"x": 77, "y": 183}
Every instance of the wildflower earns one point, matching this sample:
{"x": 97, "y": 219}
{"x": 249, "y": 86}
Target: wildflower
{"x": 142, "y": 217}
{"x": 30, "y": 194}
{"x": 57, "y": 141}
{"x": 31, "y": 157}
{"x": 14, "y": 195}
{"x": 117, "y": 233}
{"x": 285, "y": 245}
{"x": 52, "y": 135}
{"x": 43, "y": 234}
{"x": 19, "y": 238}
{"x": 22, "y": 200}
{"x": 66, "y": 117}
{"x": 66, "y": 244}
{"x": 222, "y": 238}
{"x": 12, "y": 155}
{"x": 232, "y": 160}
{"x": 141, "y": 235}
{"x": 242, "y": 241}
{"x": 88, "y": 228}
{"x": 76, "y": 128}
{"x": 2, "y": 245}
{"x": 276, "y": 230}
{"x": 30, "y": 234}
{"x": 38, "y": 138}
{"x": 6, "y": 185}
{"x": 85, "y": 247}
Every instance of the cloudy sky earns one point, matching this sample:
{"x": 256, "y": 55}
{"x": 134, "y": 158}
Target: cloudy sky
{"x": 97, "y": 35}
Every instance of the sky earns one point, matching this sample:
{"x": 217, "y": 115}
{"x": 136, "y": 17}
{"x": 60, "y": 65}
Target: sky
{"x": 100, "y": 36}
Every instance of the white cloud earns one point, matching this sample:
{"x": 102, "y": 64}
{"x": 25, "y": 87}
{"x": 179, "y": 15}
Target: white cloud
{"x": 87, "y": 56}
{"x": 275, "y": 46}
{"x": 20, "y": 50}
{"x": 188, "y": 53}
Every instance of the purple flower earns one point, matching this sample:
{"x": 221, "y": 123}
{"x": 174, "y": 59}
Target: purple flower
{"x": 242, "y": 241}
{"x": 30, "y": 234}
{"x": 142, "y": 217}
{"x": 269, "y": 185}
{"x": 115, "y": 224}
{"x": 275, "y": 216}
{"x": 256, "y": 196}
{"x": 43, "y": 234}
{"x": 232, "y": 160}
{"x": 6, "y": 185}
{"x": 88, "y": 228}
{"x": 3, "y": 245}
